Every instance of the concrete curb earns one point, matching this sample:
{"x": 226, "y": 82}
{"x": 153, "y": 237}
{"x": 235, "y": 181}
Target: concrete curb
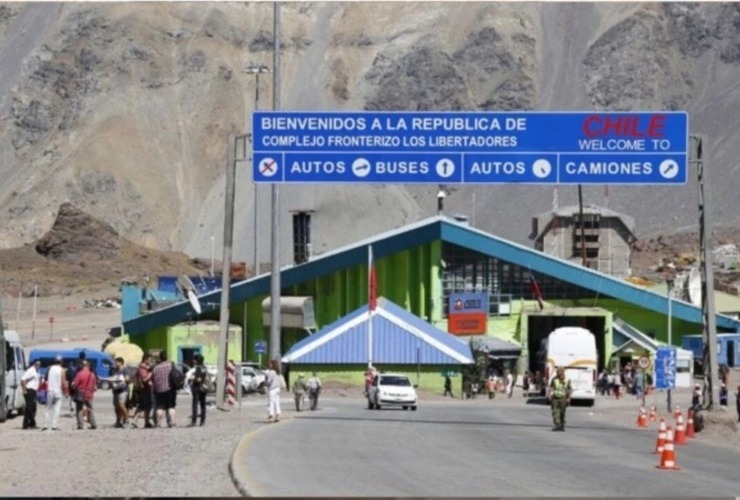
{"x": 239, "y": 473}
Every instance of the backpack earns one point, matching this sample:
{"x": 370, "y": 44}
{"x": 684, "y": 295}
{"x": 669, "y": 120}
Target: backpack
{"x": 177, "y": 378}
{"x": 207, "y": 384}
{"x": 313, "y": 384}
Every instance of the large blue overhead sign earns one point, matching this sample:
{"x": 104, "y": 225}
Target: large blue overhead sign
{"x": 470, "y": 147}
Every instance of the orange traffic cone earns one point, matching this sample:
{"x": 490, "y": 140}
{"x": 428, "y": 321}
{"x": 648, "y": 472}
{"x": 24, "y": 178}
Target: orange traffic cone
{"x": 680, "y": 431}
{"x": 660, "y": 444}
{"x": 668, "y": 458}
{"x": 676, "y": 412}
{"x": 653, "y": 414}
{"x": 642, "y": 418}
{"x": 690, "y": 432}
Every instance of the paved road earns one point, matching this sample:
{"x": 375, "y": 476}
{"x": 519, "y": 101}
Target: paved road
{"x": 472, "y": 449}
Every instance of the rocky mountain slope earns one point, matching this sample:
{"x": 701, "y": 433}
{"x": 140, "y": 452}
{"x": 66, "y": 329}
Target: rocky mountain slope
{"x": 82, "y": 254}
{"x": 123, "y": 109}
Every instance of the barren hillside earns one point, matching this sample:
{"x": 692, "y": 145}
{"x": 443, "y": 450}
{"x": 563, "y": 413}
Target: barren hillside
{"x": 123, "y": 109}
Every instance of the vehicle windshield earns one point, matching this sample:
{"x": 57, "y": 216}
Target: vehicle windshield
{"x": 398, "y": 381}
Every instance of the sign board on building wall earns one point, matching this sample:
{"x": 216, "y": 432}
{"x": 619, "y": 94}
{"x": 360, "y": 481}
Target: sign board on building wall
{"x": 636, "y": 148}
{"x": 467, "y": 313}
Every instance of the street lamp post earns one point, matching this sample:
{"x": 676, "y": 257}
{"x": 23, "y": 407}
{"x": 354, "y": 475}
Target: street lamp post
{"x": 256, "y": 70}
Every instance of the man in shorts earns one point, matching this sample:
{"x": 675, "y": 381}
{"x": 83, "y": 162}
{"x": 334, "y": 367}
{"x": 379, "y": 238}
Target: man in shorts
{"x": 164, "y": 396}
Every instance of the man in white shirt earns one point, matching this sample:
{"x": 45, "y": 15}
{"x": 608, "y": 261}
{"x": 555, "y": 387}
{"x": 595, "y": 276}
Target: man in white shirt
{"x": 509, "y": 383}
{"x": 56, "y": 381}
{"x": 30, "y": 384}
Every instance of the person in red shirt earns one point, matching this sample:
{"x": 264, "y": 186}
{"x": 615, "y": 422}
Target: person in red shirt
{"x": 85, "y": 384}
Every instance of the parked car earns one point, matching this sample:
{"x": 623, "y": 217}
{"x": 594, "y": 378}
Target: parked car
{"x": 252, "y": 379}
{"x": 391, "y": 389}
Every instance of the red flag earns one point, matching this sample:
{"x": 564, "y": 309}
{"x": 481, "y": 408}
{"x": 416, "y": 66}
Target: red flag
{"x": 372, "y": 280}
{"x": 536, "y": 290}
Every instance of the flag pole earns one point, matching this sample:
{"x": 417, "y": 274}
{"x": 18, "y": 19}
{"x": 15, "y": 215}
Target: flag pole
{"x": 370, "y": 304}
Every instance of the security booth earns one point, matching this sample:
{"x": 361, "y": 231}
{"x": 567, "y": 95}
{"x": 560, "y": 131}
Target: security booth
{"x": 684, "y": 368}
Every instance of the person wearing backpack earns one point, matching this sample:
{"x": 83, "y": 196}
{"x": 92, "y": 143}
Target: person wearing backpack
{"x": 314, "y": 389}
{"x": 199, "y": 386}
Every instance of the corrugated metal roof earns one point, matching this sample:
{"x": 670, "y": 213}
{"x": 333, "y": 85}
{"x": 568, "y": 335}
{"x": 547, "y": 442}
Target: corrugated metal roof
{"x": 398, "y": 337}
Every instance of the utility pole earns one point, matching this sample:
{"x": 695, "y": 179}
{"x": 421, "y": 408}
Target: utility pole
{"x": 275, "y": 236}
{"x": 3, "y": 368}
{"x": 256, "y": 70}
{"x": 709, "y": 332}
{"x": 223, "y": 339}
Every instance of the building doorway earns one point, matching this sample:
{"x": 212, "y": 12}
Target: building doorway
{"x": 731, "y": 353}
{"x": 187, "y": 355}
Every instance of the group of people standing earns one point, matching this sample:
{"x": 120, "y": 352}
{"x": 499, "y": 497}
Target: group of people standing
{"x": 79, "y": 383}
{"x": 150, "y": 387}
{"x": 627, "y": 380}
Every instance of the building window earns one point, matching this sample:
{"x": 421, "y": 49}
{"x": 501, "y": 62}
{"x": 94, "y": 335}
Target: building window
{"x": 467, "y": 271}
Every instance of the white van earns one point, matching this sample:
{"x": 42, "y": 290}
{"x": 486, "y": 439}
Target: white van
{"x": 15, "y": 366}
{"x": 573, "y": 349}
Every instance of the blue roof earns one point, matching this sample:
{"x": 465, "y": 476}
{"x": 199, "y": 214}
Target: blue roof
{"x": 398, "y": 337}
{"x": 423, "y": 232}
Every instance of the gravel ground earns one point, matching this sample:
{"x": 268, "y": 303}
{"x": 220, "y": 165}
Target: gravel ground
{"x": 176, "y": 462}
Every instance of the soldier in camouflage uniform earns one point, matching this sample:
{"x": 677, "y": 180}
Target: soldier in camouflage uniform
{"x": 560, "y": 390}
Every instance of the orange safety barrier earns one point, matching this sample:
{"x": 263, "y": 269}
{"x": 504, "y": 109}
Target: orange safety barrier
{"x": 660, "y": 444}
{"x": 668, "y": 458}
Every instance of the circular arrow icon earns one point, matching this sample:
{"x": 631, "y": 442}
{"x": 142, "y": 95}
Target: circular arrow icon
{"x": 668, "y": 169}
{"x": 541, "y": 168}
{"x": 361, "y": 167}
{"x": 445, "y": 167}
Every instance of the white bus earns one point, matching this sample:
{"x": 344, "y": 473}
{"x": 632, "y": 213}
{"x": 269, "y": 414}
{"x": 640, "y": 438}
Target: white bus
{"x": 15, "y": 366}
{"x": 573, "y": 349}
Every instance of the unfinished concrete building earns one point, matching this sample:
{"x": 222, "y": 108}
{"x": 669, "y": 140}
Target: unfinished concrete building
{"x": 603, "y": 239}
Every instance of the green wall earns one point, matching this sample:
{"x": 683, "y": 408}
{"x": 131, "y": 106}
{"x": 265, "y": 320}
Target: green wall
{"x": 647, "y": 321}
{"x": 430, "y": 376}
{"x": 205, "y": 336}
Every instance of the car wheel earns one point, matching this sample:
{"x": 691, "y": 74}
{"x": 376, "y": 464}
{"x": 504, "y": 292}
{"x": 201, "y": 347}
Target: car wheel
{"x": 405, "y": 407}
{"x": 413, "y": 408}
